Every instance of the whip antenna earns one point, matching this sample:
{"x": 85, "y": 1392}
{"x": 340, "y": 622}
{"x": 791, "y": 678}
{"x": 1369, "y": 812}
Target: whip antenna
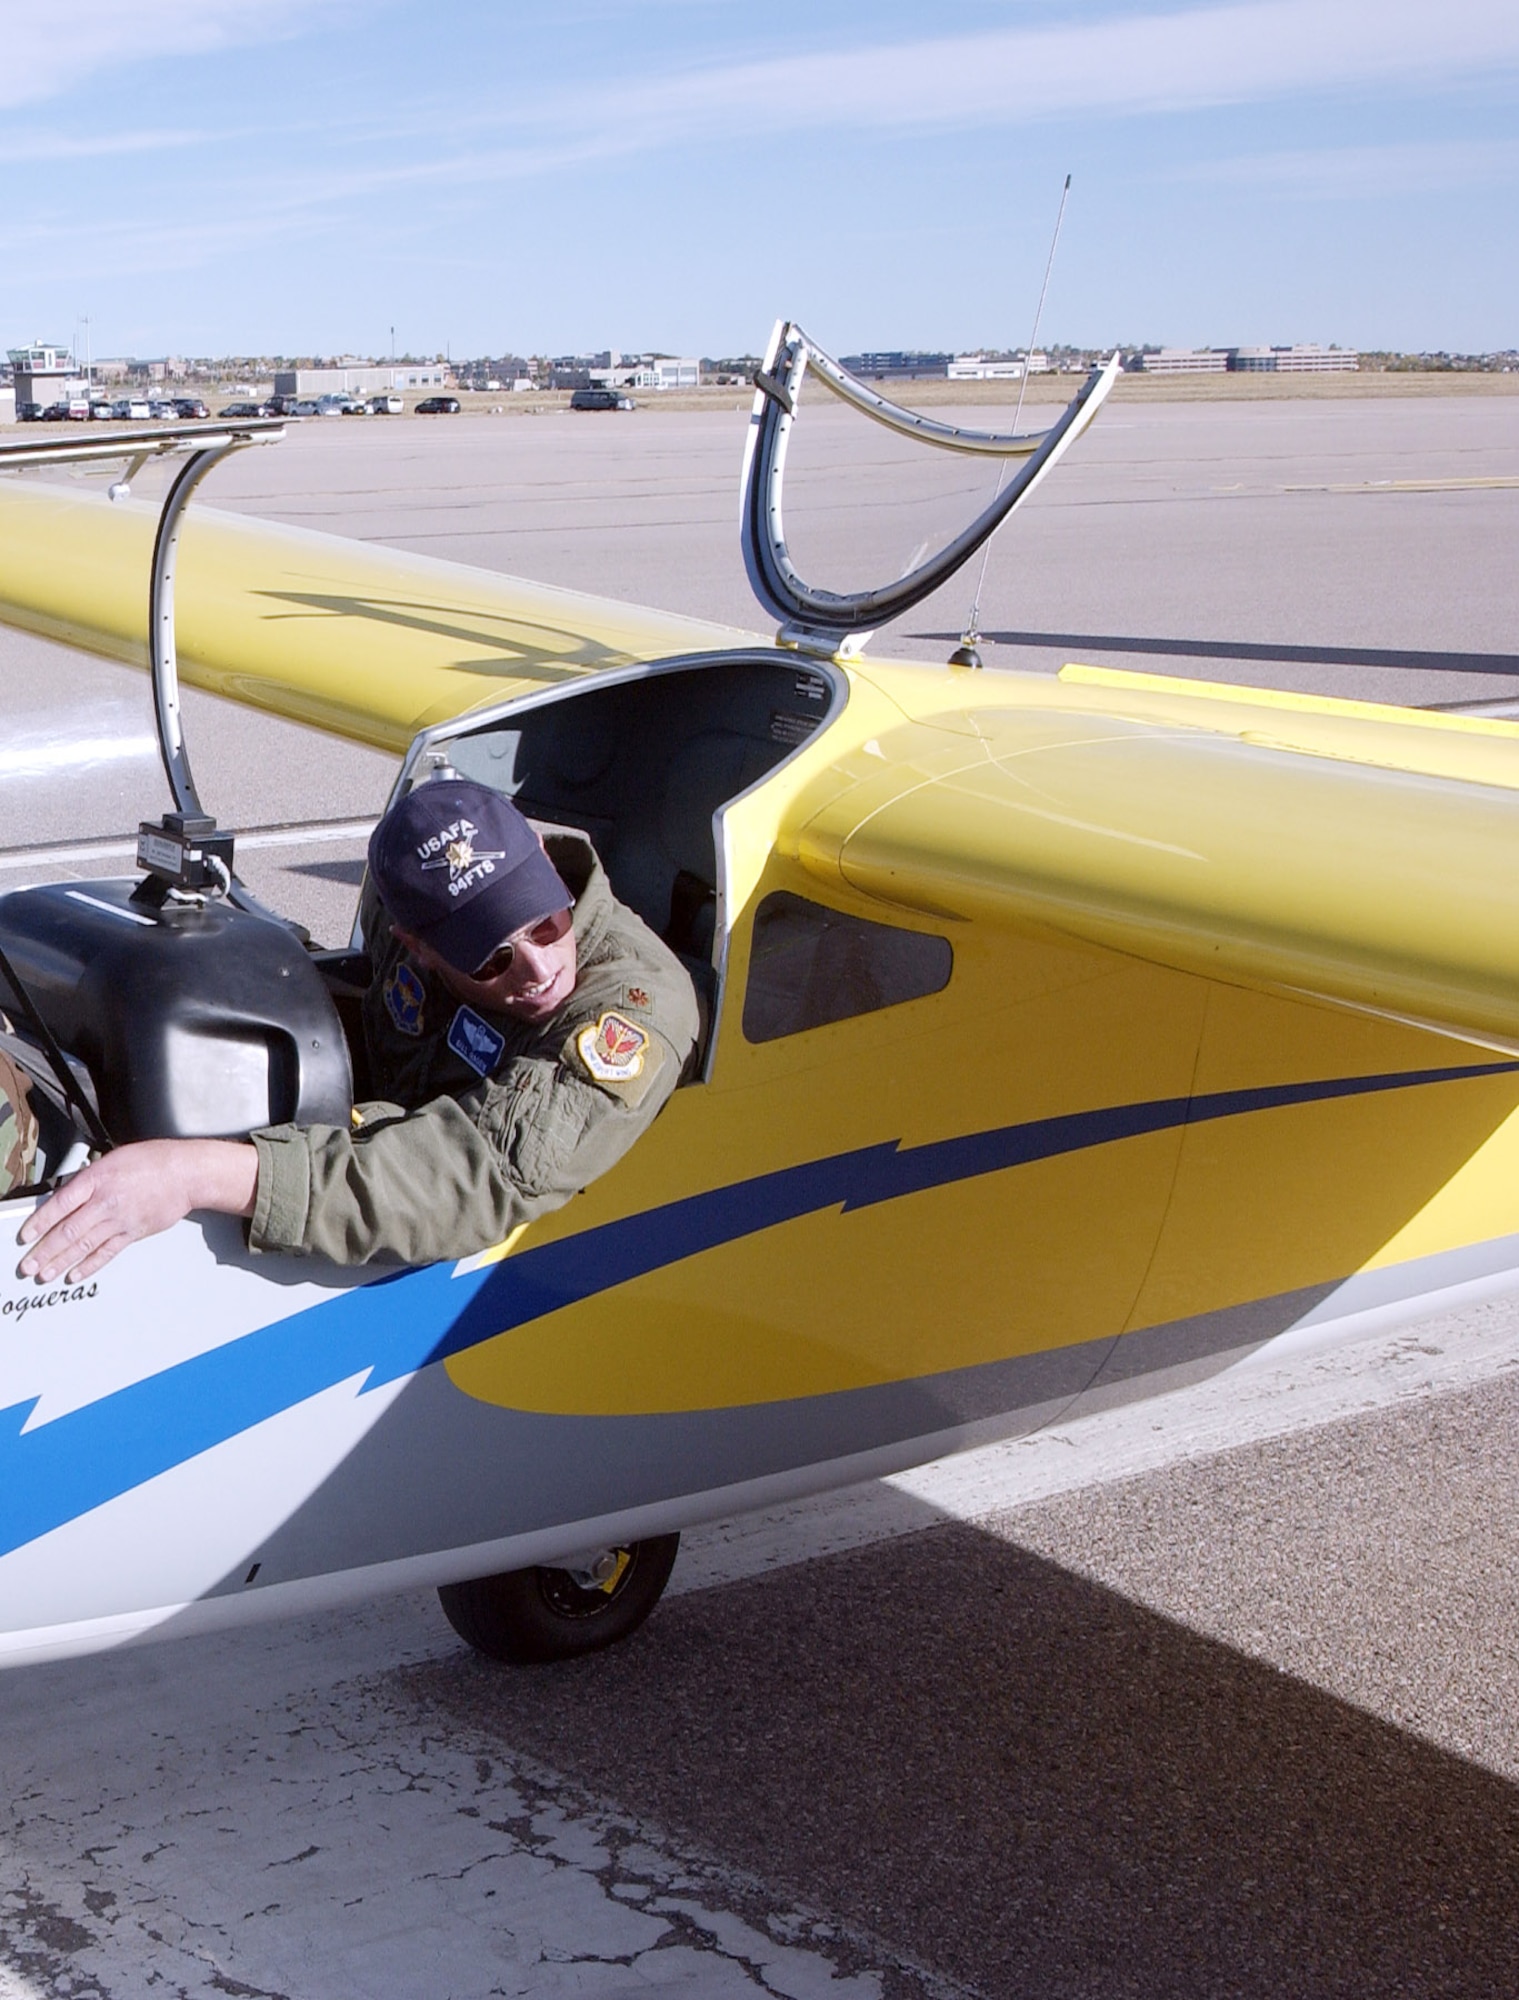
{"x": 967, "y": 653}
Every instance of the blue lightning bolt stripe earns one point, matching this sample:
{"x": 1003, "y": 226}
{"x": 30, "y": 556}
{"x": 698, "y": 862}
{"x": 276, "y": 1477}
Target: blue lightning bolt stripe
{"x": 388, "y": 1329}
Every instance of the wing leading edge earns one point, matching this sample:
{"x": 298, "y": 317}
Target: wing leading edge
{"x": 369, "y": 642}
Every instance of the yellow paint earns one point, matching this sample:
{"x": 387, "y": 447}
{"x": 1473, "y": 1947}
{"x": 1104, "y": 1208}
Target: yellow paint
{"x": 1151, "y": 887}
{"x": 1231, "y": 695}
{"x": 367, "y": 642}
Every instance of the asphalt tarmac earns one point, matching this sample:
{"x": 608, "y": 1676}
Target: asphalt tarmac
{"x": 1211, "y": 1697}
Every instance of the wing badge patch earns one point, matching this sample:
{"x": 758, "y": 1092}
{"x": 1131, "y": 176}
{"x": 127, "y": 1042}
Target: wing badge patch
{"x": 612, "y": 1049}
{"x": 475, "y": 1041}
{"x": 404, "y": 994}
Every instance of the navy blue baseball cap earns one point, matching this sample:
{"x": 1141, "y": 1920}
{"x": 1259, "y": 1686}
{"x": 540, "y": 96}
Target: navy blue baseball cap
{"x": 458, "y": 866}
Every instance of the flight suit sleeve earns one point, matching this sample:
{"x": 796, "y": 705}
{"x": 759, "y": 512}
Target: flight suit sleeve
{"x": 455, "y": 1175}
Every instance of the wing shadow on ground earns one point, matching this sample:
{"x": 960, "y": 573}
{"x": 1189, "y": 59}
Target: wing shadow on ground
{"x": 1238, "y": 649}
{"x": 1023, "y": 1780}
{"x": 349, "y": 873}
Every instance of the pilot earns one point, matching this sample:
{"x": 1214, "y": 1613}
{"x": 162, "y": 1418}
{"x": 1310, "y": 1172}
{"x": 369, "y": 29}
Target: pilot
{"x": 523, "y": 1028}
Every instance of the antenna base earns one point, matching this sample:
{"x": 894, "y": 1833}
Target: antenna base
{"x": 966, "y": 654}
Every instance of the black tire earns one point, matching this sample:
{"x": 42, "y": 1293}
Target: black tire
{"x": 528, "y": 1617}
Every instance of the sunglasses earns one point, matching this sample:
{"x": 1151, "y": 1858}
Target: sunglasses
{"x": 546, "y": 932}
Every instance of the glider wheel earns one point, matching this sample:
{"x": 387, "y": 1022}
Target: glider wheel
{"x": 528, "y": 1617}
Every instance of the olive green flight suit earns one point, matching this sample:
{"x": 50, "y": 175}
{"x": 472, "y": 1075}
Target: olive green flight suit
{"x": 451, "y": 1160}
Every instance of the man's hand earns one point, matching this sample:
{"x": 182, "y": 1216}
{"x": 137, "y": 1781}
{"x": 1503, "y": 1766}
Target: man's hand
{"x": 134, "y": 1192}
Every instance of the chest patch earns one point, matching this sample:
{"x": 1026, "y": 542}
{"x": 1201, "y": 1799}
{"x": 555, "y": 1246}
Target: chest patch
{"x": 612, "y": 1048}
{"x": 404, "y": 994}
{"x": 475, "y": 1041}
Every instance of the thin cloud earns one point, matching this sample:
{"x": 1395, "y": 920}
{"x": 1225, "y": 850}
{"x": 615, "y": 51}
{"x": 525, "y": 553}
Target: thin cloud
{"x": 46, "y": 53}
{"x": 1127, "y": 65}
{"x": 1350, "y": 173}
{"x": 32, "y": 148}
{"x": 1254, "y": 51}
{"x": 1136, "y": 63}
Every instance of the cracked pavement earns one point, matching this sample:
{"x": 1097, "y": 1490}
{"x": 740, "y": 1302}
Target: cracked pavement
{"x": 1214, "y": 1695}
{"x": 210, "y": 1832}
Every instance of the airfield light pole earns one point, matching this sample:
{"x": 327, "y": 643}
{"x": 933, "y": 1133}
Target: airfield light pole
{"x": 968, "y": 652}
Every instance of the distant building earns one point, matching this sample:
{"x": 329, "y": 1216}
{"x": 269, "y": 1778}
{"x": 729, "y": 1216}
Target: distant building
{"x": 672, "y": 373}
{"x": 997, "y": 368}
{"x": 976, "y": 368}
{"x": 45, "y": 374}
{"x": 360, "y": 380}
{"x": 612, "y": 369}
{"x": 1185, "y": 361}
{"x": 1246, "y": 360}
{"x": 1303, "y": 360}
{"x": 898, "y": 364}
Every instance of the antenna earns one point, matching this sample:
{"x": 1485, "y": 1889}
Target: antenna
{"x": 968, "y": 652}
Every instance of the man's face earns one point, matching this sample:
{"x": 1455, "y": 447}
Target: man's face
{"x": 537, "y": 977}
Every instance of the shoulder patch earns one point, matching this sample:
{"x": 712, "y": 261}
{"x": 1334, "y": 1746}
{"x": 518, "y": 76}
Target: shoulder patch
{"x": 404, "y": 996}
{"x": 612, "y": 1048}
{"x": 475, "y": 1041}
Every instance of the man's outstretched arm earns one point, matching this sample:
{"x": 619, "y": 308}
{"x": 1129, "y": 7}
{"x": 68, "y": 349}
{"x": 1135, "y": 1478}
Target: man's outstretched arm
{"x": 133, "y": 1192}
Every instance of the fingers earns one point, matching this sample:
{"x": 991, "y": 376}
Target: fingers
{"x": 87, "y": 1222}
{"x": 62, "y": 1202}
{"x": 95, "y": 1261}
{"x": 67, "y": 1231}
{"x": 134, "y": 1192}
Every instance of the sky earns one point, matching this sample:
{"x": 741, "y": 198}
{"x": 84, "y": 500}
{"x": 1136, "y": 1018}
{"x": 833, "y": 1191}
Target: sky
{"x": 334, "y": 176}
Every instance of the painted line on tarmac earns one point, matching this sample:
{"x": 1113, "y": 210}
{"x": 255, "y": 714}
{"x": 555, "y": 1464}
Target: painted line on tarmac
{"x": 1249, "y": 1405}
{"x": 313, "y": 834}
{"x": 1470, "y": 485}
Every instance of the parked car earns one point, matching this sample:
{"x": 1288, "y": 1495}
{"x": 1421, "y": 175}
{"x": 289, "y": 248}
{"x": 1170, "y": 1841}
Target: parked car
{"x": 160, "y": 407}
{"x": 55, "y": 413}
{"x": 438, "y": 406}
{"x": 601, "y": 399}
{"x": 191, "y": 407}
{"x": 131, "y": 409}
{"x": 29, "y": 413}
{"x": 304, "y": 407}
{"x": 246, "y": 410}
{"x": 355, "y": 406}
{"x": 386, "y": 406}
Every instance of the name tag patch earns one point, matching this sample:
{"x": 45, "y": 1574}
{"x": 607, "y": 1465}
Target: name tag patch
{"x": 475, "y": 1041}
{"x": 612, "y": 1049}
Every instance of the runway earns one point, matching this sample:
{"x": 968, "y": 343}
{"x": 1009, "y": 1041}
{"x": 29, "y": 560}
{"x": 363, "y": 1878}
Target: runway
{"x": 1212, "y": 1696}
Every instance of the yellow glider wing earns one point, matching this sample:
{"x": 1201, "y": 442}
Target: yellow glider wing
{"x": 368, "y": 642}
{"x": 1365, "y": 883}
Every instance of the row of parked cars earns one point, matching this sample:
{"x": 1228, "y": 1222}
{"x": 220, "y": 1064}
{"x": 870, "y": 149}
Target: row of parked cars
{"x": 126, "y": 409}
{"x": 389, "y": 405}
{"x": 140, "y": 409}
{"x": 144, "y": 409}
